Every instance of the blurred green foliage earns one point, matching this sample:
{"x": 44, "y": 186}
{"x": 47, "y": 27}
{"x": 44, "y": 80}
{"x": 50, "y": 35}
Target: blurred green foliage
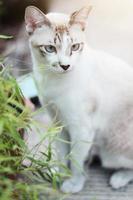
{"x": 18, "y": 181}
{"x": 1, "y": 8}
{"x": 38, "y": 180}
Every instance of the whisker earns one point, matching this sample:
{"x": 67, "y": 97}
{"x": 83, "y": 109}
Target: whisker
{"x": 18, "y": 65}
{"x": 11, "y": 60}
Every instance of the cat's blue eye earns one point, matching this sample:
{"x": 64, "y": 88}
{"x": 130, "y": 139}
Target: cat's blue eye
{"x": 49, "y": 48}
{"x": 75, "y": 47}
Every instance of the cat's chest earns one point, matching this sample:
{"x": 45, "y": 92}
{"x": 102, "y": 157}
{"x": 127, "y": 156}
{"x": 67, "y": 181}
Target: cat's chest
{"x": 68, "y": 98}
{"x": 67, "y": 109}
{"x": 57, "y": 89}
{"x": 64, "y": 98}
{"x": 72, "y": 107}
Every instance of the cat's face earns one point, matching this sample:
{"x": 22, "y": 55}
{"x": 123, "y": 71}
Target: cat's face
{"x": 56, "y": 40}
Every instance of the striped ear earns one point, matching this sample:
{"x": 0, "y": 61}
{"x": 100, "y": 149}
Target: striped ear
{"x": 35, "y": 18}
{"x": 79, "y": 18}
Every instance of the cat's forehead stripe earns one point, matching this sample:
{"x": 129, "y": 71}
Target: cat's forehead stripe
{"x": 60, "y": 30}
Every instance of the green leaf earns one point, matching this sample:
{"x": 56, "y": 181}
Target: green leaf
{"x": 1, "y": 126}
{"x": 5, "y": 37}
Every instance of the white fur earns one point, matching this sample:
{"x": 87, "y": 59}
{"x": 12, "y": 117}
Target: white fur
{"x": 121, "y": 178}
{"x": 90, "y": 101}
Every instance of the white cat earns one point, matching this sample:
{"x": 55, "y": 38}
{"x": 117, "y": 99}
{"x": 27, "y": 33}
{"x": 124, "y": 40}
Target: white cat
{"x": 90, "y": 92}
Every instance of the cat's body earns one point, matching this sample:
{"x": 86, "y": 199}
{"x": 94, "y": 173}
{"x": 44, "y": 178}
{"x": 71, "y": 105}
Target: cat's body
{"x": 89, "y": 92}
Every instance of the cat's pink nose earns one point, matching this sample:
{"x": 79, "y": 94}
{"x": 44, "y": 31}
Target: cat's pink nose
{"x": 65, "y": 67}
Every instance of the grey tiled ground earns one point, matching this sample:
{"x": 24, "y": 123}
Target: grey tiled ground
{"x": 97, "y": 188}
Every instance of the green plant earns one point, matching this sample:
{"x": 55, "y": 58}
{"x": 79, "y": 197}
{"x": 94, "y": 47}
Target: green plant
{"x": 38, "y": 180}
{"x": 1, "y": 8}
{"x": 5, "y": 37}
{"x": 16, "y": 180}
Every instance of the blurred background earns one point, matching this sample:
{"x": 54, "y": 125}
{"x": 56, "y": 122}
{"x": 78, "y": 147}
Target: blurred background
{"x": 110, "y": 27}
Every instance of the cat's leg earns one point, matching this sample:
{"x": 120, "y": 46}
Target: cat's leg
{"x": 121, "y": 178}
{"x": 81, "y": 143}
{"x": 63, "y": 148}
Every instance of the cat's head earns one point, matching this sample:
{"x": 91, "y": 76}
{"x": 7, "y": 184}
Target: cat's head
{"x": 56, "y": 40}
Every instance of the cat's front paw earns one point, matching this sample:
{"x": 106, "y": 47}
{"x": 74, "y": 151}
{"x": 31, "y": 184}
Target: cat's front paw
{"x": 73, "y": 185}
{"x": 119, "y": 180}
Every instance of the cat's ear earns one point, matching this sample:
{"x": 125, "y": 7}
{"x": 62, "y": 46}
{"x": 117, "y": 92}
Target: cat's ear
{"x": 79, "y": 18}
{"x": 35, "y": 18}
